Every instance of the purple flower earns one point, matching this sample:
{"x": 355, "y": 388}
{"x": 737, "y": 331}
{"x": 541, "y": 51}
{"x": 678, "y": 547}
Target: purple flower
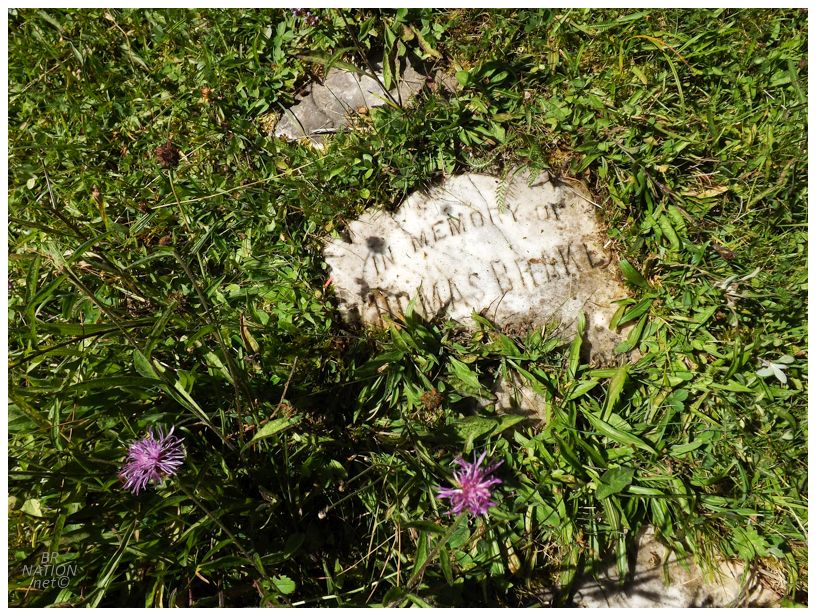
{"x": 309, "y": 17}
{"x": 474, "y": 483}
{"x": 151, "y": 459}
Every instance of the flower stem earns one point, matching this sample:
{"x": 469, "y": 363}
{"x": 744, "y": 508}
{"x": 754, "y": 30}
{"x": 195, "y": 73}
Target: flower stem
{"x": 416, "y": 578}
{"x": 184, "y": 219}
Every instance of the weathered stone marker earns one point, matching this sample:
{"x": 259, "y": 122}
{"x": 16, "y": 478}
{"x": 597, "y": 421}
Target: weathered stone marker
{"x": 520, "y": 253}
{"x": 325, "y": 108}
{"x": 663, "y": 580}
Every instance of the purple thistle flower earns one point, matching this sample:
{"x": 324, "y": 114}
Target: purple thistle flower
{"x": 474, "y": 483}
{"x": 151, "y": 459}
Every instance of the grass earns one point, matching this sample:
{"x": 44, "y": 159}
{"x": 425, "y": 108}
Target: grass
{"x": 195, "y": 296}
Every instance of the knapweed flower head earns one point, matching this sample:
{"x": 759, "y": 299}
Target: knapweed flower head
{"x": 309, "y": 17}
{"x": 473, "y": 487}
{"x": 151, "y": 459}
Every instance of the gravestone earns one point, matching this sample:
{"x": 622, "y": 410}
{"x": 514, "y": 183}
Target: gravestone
{"x": 662, "y": 580}
{"x": 521, "y": 252}
{"x": 326, "y": 107}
